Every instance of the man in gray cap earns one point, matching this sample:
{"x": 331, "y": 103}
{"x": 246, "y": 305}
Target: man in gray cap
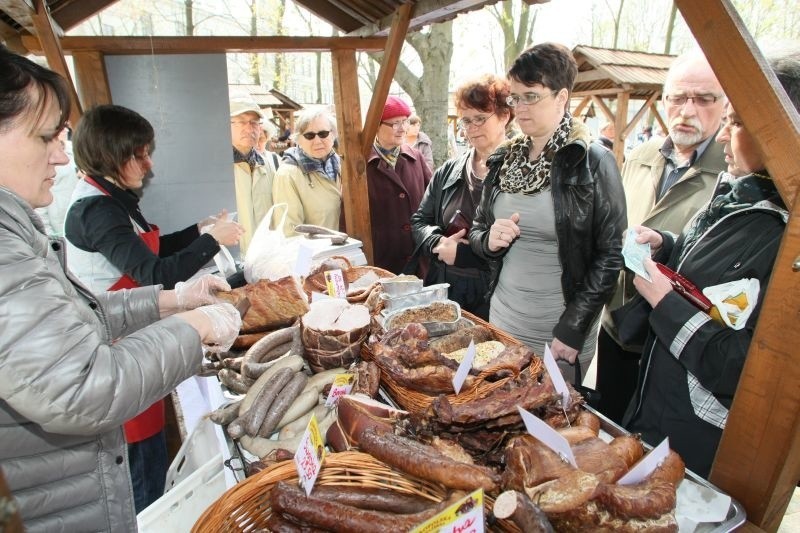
{"x": 252, "y": 175}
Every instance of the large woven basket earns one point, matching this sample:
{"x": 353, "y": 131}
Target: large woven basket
{"x": 245, "y": 507}
{"x": 418, "y": 402}
{"x": 316, "y": 282}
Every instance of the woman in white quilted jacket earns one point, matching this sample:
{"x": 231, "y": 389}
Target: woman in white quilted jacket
{"x": 64, "y": 351}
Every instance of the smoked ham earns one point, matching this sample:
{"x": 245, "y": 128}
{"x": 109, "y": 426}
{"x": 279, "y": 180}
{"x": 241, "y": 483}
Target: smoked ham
{"x": 273, "y": 304}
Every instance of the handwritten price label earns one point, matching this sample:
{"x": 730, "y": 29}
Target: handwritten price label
{"x": 464, "y": 516}
{"x": 334, "y": 281}
{"x": 309, "y": 455}
{"x": 342, "y": 384}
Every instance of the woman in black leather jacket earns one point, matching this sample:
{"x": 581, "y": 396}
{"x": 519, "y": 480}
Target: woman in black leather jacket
{"x": 455, "y": 187}
{"x": 551, "y": 217}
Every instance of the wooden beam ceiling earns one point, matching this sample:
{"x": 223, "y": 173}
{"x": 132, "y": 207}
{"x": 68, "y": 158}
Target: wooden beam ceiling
{"x": 203, "y": 45}
{"x": 331, "y": 13}
{"x": 69, "y": 14}
{"x": 21, "y": 11}
{"x": 425, "y": 12}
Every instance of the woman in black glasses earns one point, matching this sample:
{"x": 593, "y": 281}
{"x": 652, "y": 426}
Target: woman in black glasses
{"x": 442, "y": 222}
{"x": 551, "y": 217}
{"x": 309, "y": 178}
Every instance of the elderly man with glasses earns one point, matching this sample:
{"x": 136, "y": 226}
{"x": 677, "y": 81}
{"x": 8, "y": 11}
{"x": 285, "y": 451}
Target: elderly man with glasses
{"x": 666, "y": 182}
{"x": 252, "y": 174}
{"x": 397, "y": 176}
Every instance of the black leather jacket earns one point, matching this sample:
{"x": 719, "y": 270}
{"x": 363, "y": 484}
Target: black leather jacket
{"x": 427, "y": 224}
{"x": 589, "y": 205}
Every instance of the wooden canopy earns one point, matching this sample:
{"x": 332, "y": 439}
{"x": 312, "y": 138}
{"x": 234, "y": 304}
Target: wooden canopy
{"x": 758, "y": 461}
{"x": 620, "y": 75}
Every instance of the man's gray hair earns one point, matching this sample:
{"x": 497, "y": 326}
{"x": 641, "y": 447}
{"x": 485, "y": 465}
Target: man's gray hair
{"x": 307, "y": 116}
{"x": 692, "y": 56}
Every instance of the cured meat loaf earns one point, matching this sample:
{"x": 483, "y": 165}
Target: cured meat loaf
{"x": 273, "y": 304}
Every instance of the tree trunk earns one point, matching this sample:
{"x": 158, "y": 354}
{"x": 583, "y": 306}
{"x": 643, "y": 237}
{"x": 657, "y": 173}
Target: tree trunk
{"x": 278, "y": 79}
{"x": 617, "y": 20}
{"x": 255, "y": 69}
{"x": 515, "y": 40}
{"x": 670, "y": 28}
{"x": 189, "y": 9}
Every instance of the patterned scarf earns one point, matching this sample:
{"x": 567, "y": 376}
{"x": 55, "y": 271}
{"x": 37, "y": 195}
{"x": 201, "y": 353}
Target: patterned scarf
{"x": 734, "y": 194}
{"x": 251, "y": 158}
{"x": 329, "y": 167}
{"x": 520, "y": 174}
{"x": 389, "y": 155}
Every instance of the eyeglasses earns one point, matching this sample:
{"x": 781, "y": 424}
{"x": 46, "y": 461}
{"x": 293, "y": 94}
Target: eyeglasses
{"x": 514, "y": 100}
{"x": 251, "y": 123}
{"x": 700, "y": 100}
{"x": 309, "y": 135}
{"x": 396, "y": 125}
{"x": 465, "y": 123}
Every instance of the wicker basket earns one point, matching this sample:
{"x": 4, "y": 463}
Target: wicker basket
{"x": 418, "y": 402}
{"x": 316, "y": 282}
{"x": 245, "y": 506}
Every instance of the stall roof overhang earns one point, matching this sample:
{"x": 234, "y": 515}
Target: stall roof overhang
{"x": 359, "y": 18}
{"x": 605, "y": 70}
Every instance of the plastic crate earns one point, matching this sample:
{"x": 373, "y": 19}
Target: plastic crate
{"x": 177, "y": 510}
{"x": 198, "y": 449}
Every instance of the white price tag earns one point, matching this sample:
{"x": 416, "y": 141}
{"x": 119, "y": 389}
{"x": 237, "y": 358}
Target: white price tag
{"x": 464, "y": 368}
{"x": 641, "y": 470}
{"x": 555, "y": 376}
{"x": 549, "y": 436}
{"x": 303, "y": 263}
{"x": 334, "y": 280}
{"x": 309, "y": 455}
{"x": 464, "y": 516}
{"x": 342, "y": 384}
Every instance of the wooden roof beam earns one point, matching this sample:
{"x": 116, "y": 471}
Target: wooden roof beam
{"x": 638, "y": 116}
{"x": 391, "y": 56}
{"x": 22, "y": 11}
{"x": 206, "y": 45}
{"x": 48, "y": 34}
{"x": 333, "y": 15}
{"x": 425, "y": 12}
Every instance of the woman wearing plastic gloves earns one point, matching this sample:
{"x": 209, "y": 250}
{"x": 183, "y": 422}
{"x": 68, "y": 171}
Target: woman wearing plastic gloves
{"x": 551, "y": 217}
{"x": 74, "y": 365}
{"x": 111, "y": 246}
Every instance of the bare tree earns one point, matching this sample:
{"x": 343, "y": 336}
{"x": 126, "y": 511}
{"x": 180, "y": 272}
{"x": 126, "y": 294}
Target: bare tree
{"x": 616, "y": 17}
{"x": 516, "y": 37}
{"x": 255, "y": 70}
{"x": 429, "y": 91}
{"x": 673, "y": 13}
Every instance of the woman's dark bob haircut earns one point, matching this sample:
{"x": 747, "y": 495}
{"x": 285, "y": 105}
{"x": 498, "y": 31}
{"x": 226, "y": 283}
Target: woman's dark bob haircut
{"x": 550, "y": 64}
{"x": 107, "y": 137}
{"x": 26, "y": 89}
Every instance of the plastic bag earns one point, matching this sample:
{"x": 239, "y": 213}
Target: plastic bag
{"x": 271, "y": 255}
{"x": 736, "y": 298}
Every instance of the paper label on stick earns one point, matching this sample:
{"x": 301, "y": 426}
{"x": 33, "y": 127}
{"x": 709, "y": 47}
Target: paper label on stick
{"x": 303, "y": 263}
{"x": 555, "y": 376}
{"x": 464, "y": 516}
{"x": 334, "y": 281}
{"x": 342, "y": 384}
{"x": 641, "y": 470}
{"x": 549, "y": 436}
{"x": 464, "y": 367}
{"x": 309, "y": 455}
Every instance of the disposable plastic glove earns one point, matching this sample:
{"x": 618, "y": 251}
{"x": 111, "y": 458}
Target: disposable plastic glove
{"x": 200, "y": 291}
{"x": 225, "y": 326}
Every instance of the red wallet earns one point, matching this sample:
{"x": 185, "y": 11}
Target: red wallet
{"x": 457, "y": 222}
{"x": 687, "y": 289}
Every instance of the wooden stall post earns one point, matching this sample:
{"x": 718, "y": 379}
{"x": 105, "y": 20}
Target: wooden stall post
{"x": 758, "y": 461}
{"x": 92, "y": 79}
{"x": 620, "y": 123}
{"x": 355, "y": 195}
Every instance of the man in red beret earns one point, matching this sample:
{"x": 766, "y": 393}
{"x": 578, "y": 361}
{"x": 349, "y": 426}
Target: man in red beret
{"x": 397, "y": 177}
